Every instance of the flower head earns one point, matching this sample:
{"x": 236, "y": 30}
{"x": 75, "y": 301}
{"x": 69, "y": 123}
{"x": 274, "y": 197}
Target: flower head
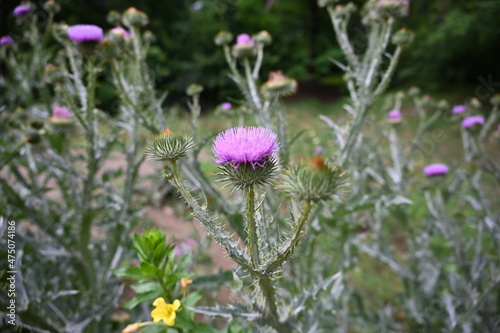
{"x": 133, "y": 17}
{"x": 246, "y": 156}
{"x": 61, "y": 112}
{"x": 165, "y": 312}
{"x": 169, "y": 146}
{"x": 315, "y": 180}
{"x": 120, "y": 31}
{"x": 436, "y": 170}
{"x": 244, "y": 47}
{"x": 457, "y": 109}
{"x": 245, "y": 145}
{"x": 226, "y": 106}
{"x": 472, "y": 120}
{"x": 318, "y": 149}
{"x": 394, "y": 116}
{"x": 5, "y": 40}
{"x": 278, "y": 85}
{"x": 244, "y": 39}
{"x": 22, "y": 10}
{"x": 82, "y": 33}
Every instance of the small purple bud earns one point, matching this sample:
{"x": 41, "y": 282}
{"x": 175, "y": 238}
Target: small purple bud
{"x": 318, "y": 149}
{"x": 61, "y": 112}
{"x": 436, "y": 170}
{"x": 81, "y": 33}
{"x": 394, "y": 116}
{"x": 226, "y": 106}
{"x": 5, "y": 40}
{"x": 121, "y": 31}
{"x": 22, "y": 10}
{"x": 244, "y": 39}
{"x": 457, "y": 109}
{"x": 472, "y": 120}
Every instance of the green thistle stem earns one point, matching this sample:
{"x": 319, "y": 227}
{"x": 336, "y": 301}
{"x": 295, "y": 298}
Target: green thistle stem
{"x": 253, "y": 240}
{"x": 214, "y": 229}
{"x": 270, "y": 296}
{"x": 283, "y": 257}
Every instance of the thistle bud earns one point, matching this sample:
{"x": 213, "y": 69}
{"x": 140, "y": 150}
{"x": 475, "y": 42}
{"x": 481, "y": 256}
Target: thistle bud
{"x": 53, "y": 74}
{"x": 278, "y": 85}
{"x": 414, "y": 91}
{"x": 263, "y": 38}
{"x": 495, "y": 100}
{"x": 51, "y": 6}
{"x": 244, "y": 47}
{"x": 194, "y": 89}
{"x": 149, "y": 36}
{"x": 114, "y": 18}
{"x": 315, "y": 181}
{"x": 443, "y": 105}
{"x": 474, "y": 103}
{"x": 396, "y": 8}
{"x": 60, "y": 32}
{"x": 223, "y": 38}
{"x": 403, "y": 37}
{"x": 134, "y": 18}
{"x": 169, "y": 146}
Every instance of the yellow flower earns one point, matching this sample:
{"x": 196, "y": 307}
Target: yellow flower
{"x": 164, "y": 311}
{"x": 185, "y": 282}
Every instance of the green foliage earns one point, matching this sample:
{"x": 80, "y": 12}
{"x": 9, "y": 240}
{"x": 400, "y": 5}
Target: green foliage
{"x": 159, "y": 271}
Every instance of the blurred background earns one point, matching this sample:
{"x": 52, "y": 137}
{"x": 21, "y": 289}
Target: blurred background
{"x": 456, "y": 42}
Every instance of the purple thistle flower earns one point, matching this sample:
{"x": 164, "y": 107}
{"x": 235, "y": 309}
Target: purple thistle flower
{"x": 436, "y": 170}
{"x": 61, "y": 112}
{"x": 22, "y": 10}
{"x": 81, "y": 33}
{"x": 318, "y": 149}
{"x": 4, "y": 40}
{"x": 457, "y": 109}
{"x": 394, "y": 116}
{"x": 226, "y": 106}
{"x": 244, "y": 39}
{"x": 241, "y": 145}
{"x": 472, "y": 120}
{"x": 121, "y": 31}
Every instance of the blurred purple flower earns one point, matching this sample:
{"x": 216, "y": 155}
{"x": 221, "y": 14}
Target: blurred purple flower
{"x": 61, "y": 112}
{"x": 472, "y": 120}
{"x": 226, "y": 106}
{"x": 4, "y": 40}
{"x": 245, "y": 39}
{"x": 189, "y": 245}
{"x": 22, "y": 10}
{"x": 457, "y": 109}
{"x": 318, "y": 149}
{"x": 241, "y": 145}
{"x": 81, "y": 33}
{"x": 394, "y": 116}
{"x": 436, "y": 169}
{"x": 121, "y": 31}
